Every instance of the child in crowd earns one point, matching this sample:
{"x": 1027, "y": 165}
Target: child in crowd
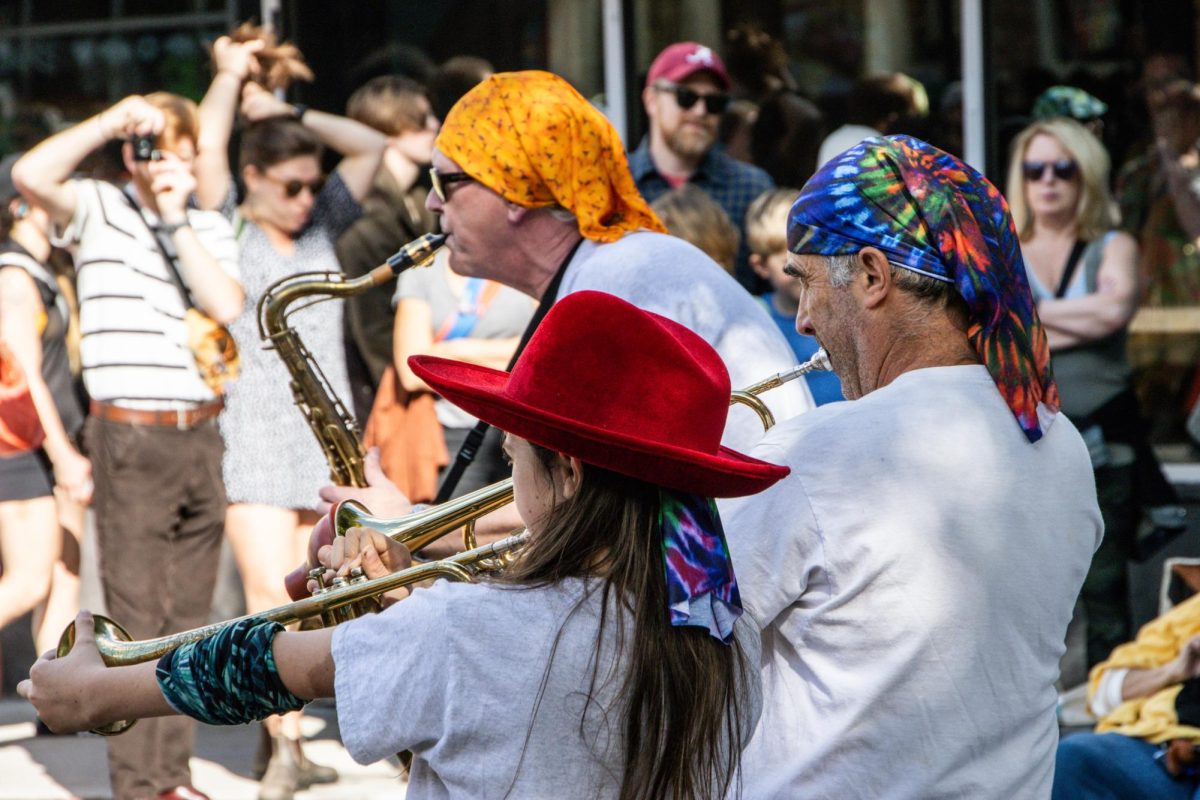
{"x": 766, "y": 227}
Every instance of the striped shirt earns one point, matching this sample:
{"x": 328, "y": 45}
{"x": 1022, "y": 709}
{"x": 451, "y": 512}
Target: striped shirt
{"x": 134, "y": 342}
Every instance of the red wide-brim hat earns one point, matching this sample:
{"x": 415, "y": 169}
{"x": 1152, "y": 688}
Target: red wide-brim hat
{"x": 616, "y": 387}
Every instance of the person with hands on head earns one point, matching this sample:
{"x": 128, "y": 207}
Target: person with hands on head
{"x": 1147, "y": 696}
{"x": 143, "y": 257}
{"x": 34, "y": 316}
{"x": 624, "y": 601}
{"x": 287, "y": 223}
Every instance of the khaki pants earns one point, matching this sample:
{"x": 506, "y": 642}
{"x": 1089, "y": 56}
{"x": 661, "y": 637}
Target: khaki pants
{"x": 160, "y": 513}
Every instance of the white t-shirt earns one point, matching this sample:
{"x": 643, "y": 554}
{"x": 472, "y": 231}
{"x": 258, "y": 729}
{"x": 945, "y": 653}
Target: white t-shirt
{"x": 457, "y": 673}
{"x": 914, "y": 577}
{"x": 671, "y": 277}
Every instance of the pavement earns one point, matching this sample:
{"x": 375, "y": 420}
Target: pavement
{"x": 66, "y": 767}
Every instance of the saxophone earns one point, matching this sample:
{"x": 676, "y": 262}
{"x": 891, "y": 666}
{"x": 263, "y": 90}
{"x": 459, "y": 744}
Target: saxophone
{"x": 331, "y": 422}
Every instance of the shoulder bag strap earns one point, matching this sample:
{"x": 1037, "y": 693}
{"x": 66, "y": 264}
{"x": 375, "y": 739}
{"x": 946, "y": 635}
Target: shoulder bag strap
{"x": 166, "y": 247}
{"x": 1069, "y": 271}
{"x": 470, "y": 445}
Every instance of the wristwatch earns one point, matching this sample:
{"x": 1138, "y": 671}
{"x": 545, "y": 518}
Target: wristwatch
{"x": 170, "y": 228}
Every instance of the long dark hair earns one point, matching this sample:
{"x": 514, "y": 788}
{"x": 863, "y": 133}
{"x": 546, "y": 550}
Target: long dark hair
{"x": 681, "y": 712}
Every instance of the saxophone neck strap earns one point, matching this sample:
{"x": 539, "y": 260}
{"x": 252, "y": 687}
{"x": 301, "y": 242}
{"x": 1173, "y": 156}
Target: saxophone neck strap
{"x": 470, "y": 446}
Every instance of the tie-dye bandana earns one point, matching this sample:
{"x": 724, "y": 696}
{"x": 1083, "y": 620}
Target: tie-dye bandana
{"x": 701, "y": 588}
{"x": 535, "y": 141}
{"x": 931, "y": 213}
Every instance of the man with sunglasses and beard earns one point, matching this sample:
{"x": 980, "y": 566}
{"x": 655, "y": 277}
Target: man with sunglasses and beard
{"x": 686, "y": 93}
{"x": 152, "y": 433}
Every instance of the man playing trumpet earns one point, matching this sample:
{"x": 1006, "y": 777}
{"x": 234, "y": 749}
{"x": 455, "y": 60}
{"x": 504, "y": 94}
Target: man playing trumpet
{"x": 914, "y": 575}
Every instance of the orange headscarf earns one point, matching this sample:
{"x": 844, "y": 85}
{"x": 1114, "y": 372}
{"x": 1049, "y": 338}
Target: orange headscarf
{"x": 535, "y": 141}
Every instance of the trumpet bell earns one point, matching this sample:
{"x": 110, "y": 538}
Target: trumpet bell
{"x": 105, "y": 629}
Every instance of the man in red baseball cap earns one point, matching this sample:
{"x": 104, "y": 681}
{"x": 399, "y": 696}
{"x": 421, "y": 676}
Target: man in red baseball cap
{"x": 686, "y": 92}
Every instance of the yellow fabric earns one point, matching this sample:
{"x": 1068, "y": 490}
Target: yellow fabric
{"x": 1151, "y": 718}
{"x": 535, "y": 141}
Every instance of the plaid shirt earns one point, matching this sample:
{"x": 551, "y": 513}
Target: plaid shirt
{"x": 732, "y": 183}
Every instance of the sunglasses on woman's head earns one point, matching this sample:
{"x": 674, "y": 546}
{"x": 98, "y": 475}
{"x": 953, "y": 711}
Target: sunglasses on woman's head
{"x": 294, "y": 187}
{"x": 1064, "y": 169}
{"x": 686, "y": 98}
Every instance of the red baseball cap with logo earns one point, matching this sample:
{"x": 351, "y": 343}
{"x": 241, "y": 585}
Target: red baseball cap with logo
{"x": 682, "y": 60}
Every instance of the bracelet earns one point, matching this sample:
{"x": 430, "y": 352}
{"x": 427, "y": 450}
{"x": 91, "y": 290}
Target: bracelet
{"x": 170, "y": 228}
{"x": 298, "y": 111}
{"x": 230, "y": 72}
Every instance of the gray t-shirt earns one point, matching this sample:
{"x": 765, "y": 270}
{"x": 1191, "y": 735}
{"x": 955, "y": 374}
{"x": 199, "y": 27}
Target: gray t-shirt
{"x": 457, "y": 673}
{"x": 504, "y": 317}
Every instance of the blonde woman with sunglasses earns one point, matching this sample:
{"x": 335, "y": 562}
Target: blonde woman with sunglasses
{"x": 1084, "y": 277}
{"x": 290, "y": 216}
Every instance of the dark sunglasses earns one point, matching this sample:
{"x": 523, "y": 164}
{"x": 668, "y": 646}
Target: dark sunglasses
{"x": 686, "y": 98}
{"x": 293, "y": 188}
{"x": 441, "y": 180}
{"x": 1064, "y": 169}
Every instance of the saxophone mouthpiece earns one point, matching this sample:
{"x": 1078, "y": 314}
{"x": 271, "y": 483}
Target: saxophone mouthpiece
{"x": 417, "y": 253}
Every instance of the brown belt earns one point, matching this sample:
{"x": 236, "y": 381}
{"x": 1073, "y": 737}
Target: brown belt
{"x": 166, "y": 418}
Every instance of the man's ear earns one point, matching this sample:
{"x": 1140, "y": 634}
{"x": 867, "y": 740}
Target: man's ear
{"x": 648, "y": 100}
{"x": 515, "y": 213}
{"x": 874, "y": 277}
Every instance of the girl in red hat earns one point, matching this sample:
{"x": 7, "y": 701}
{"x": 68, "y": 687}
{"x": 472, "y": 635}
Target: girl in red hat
{"x": 606, "y": 661}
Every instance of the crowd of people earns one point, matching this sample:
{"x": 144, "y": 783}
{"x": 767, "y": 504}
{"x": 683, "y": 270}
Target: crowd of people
{"x": 910, "y": 539}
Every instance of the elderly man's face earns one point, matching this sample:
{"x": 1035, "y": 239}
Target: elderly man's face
{"x": 688, "y": 132}
{"x": 473, "y": 219}
{"x": 829, "y": 315}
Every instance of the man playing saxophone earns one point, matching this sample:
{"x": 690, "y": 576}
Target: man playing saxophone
{"x": 533, "y": 190}
{"x": 915, "y": 573}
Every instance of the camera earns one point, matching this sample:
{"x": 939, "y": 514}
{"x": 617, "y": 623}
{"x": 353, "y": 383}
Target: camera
{"x": 143, "y": 148}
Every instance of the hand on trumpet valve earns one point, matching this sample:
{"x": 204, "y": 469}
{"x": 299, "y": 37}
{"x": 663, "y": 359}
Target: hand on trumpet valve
{"x": 382, "y": 496}
{"x": 377, "y": 555}
{"x": 63, "y": 689}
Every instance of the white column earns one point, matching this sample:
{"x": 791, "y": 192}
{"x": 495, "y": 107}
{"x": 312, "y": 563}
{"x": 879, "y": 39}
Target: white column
{"x": 974, "y": 143}
{"x": 614, "y": 66}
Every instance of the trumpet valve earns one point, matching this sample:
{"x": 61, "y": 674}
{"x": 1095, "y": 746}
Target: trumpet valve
{"x": 357, "y": 576}
{"x": 318, "y": 574}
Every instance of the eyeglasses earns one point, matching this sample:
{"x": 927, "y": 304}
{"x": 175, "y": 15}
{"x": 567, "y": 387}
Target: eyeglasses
{"x": 441, "y": 180}
{"x": 294, "y": 187}
{"x": 714, "y": 103}
{"x": 1064, "y": 169}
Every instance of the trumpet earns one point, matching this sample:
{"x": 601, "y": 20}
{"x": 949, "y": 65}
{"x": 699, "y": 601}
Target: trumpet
{"x": 118, "y": 649}
{"x": 334, "y": 603}
{"x": 749, "y": 396}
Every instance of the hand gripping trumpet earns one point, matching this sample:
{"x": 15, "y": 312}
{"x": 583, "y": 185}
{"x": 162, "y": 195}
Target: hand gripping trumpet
{"x": 333, "y": 603}
{"x": 331, "y": 422}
